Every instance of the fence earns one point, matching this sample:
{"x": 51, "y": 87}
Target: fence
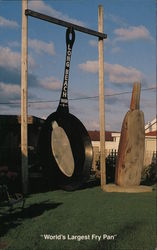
{"x": 150, "y": 157}
{"x": 111, "y": 156}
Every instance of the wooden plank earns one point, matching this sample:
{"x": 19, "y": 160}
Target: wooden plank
{"x": 101, "y": 100}
{"x": 135, "y": 99}
{"x": 29, "y": 119}
{"x": 130, "y": 158}
{"x": 24, "y": 68}
{"x": 61, "y": 149}
{"x": 60, "y": 22}
{"x": 32, "y": 120}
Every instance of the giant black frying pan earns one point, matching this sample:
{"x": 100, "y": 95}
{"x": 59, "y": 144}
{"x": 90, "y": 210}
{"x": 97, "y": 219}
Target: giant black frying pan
{"x": 65, "y": 146}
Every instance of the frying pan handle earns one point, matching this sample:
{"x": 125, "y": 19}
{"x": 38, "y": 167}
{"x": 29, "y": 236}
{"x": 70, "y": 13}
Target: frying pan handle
{"x": 63, "y": 104}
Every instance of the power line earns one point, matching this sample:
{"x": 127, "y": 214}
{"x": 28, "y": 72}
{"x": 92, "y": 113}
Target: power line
{"x": 151, "y": 124}
{"x": 75, "y": 99}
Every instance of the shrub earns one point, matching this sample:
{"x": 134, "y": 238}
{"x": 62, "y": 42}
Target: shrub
{"x": 149, "y": 174}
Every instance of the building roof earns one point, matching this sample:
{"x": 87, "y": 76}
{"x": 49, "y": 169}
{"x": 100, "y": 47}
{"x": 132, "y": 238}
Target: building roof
{"x": 151, "y": 133}
{"x": 95, "y": 135}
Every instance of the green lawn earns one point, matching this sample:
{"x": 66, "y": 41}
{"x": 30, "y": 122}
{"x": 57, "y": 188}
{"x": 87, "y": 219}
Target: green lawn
{"x": 131, "y": 217}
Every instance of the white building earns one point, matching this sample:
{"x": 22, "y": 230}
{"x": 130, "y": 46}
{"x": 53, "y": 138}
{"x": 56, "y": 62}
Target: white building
{"x": 112, "y": 142}
{"x": 151, "y": 126}
{"x": 150, "y": 142}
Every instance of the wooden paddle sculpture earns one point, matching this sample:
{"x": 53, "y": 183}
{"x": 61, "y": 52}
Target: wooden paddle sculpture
{"x": 131, "y": 147}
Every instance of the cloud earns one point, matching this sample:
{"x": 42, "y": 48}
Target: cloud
{"x": 92, "y": 124}
{"x": 115, "y": 19}
{"x": 108, "y": 45}
{"x": 89, "y": 66}
{"x": 93, "y": 43}
{"x": 8, "y": 58}
{"x": 11, "y": 91}
{"x": 10, "y": 64}
{"x": 41, "y": 6}
{"x": 8, "y": 23}
{"x": 132, "y": 33}
{"x": 15, "y": 44}
{"x": 12, "y": 59}
{"x": 8, "y": 75}
{"x": 51, "y": 83}
{"x": 13, "y": 76}
{"x": 41, "y": 46}
{"x": 10, "y": 96}
{"x": 120, "y": 74}
{"x": 115, "y": 50}
{"x": 115, "y": 72}
{"x": 45, "y": 106}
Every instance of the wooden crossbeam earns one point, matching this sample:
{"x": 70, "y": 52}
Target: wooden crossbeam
{"x": 60, "y": 22}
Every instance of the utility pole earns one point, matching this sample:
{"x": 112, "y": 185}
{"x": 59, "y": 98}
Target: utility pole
{"x": 24, "y": 115}
{"x": 101, "y": 100}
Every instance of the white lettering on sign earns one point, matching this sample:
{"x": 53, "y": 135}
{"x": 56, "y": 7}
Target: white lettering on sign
{"x": 67, "y": 64}
{"x": 83, "y": 237}
{"x": 66, "y": 75}
{"x": 64, "y": 100}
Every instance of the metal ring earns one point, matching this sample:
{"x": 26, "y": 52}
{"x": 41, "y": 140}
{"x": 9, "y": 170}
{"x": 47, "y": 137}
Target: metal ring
{"x": 68, "y": 40}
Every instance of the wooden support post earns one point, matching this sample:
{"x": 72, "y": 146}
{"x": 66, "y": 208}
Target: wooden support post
{"x": 24, "y": 66}
{"x": 101, "y": 100}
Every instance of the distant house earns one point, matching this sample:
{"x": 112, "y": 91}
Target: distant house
{"x": 150, "y": 147}
{"x": 112, "y": 139}
{"x": 151, "y": 126}
{"x": 111, "y": 143}
{"x": 150, "y": 141}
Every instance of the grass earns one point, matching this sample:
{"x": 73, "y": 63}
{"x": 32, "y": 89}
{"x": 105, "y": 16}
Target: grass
{"x": 132, "y": 217}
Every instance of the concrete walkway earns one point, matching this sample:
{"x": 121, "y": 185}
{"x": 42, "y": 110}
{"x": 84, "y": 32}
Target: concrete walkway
{"x": 131, "y": 189}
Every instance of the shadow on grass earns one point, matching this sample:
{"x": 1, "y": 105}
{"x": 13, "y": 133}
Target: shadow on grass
{"x": 16, "y": 218}
{"x": 75, "y": 186}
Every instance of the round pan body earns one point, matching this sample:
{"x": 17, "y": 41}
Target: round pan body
{"x": 80, "y": 145}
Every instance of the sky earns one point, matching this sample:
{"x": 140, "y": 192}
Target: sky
{"x": 129, "y": 56}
